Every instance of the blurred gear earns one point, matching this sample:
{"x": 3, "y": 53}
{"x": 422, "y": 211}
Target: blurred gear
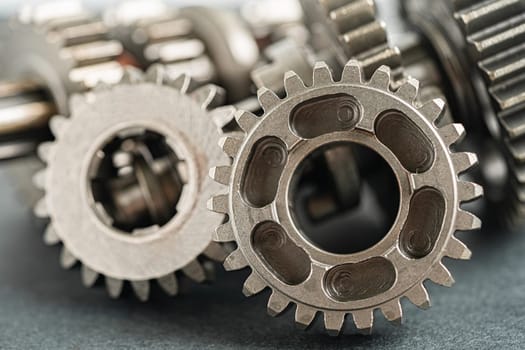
{"x": 261, "y": 188}
{"x": 480, "y": 45}
{"x": 50, "y": 51}
{"x": 126, "y": 183}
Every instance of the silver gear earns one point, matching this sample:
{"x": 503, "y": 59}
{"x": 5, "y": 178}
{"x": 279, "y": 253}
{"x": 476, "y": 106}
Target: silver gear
{"x": 260, "y": 218}
{"x": 82, "y": 215}
{"x": 50, "y": 51}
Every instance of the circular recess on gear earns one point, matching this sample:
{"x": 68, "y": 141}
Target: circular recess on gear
{"x": 331, "y": 221}
{"x": 136, "y": 180}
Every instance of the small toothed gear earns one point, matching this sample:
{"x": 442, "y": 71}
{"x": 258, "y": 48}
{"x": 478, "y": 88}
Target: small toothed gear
{"x": 260, "y": 185}
{"x": 480, "y": 45}
{"x": 352, "y": 30}
{"x": 49, "y": 52}
{"x": 126, "y": 183}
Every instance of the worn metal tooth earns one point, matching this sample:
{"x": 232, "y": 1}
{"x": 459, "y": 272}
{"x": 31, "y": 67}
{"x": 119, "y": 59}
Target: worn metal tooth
{"x": 84, "y": 54}
{"x": 246, "y": 120}
{"x": 510, "y": 93}
{"x": 131, "y": 75}
{"x": 293, "y": 84}
{"x": 277, "y": 303}
{"x": 169, "y": 284}
{"x": 513, "y": 121}
{"x": 381, "y": 78}
{"x": 352, "y": 72}
{"x": 67, "y": 259}
{"x": 322, "y": 75}
{"x": 83, "y": 32}
{"x": 441, "y": 275}
{"x": 58, "y": 124}
{"x": 224, "y": 233}
{"x": 39, "y": 179}
{"x": 466, "y": 221}
{"x": 409, "y": 90}
{"x": 334, "y": 322}
{"x": 215, "y": 252}
{"x": 195, "y": 271}
{"x": 89, "y": 276}
{"x": 389, "y": 56}
{"x": 141, "y": 289}
{"x": 41, "y": 210}
{"x": 351, "y": 15}
{"x": 393, "y": 311}
{"x": 487, "y": 13}
{"x": 114, "y": 287}
{"x": 219, "y": 204}
{"x": 268, "y": 99}
{"x": 209, "y": 96}
{"x": 505, "y": 65}
{"x": 230, "y": 145}
{"x": 221, "y": 174}
{"x": 418, "y": 295}
{"x": 457, "y": 250}
{"x": 469, "y": 191}
{"x": 364, "y": 38}
{"x": 235, "y": 261}
{"x": 304, "y": 316}
{"x": 253, "y": 285}
{"x": 364, "y": 320}
{"x": 452, "y": 133}
{"x": 183, "y": 83}
{"x": 50, "y": 236}
{"x": 223, "y": 116}
{"x": 433, "y": 110}
{"x": 463, "y": 161}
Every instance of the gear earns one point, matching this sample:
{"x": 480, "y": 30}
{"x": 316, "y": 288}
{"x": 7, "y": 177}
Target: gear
{"x": 261, "y": 184}
{"x": 126, "y": 183}
{"x": 49, "y": 52}
{"x": 480, "y": 46}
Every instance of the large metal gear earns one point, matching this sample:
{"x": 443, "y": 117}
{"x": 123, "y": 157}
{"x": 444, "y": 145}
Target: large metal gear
{"x": 49, "y": 52}
{"x": 259, "y": 201}
{"x": 126, "y": 183}
{"x": 480, "y": 45}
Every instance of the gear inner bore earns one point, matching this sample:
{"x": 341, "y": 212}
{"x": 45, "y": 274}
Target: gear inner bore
{"x": 348, "y": 229}
{"x": 137, "y": 180}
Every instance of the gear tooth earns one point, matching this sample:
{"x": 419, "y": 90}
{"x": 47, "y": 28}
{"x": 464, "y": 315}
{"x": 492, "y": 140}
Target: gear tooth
{"x": 409, "y": 90}
{"x": 230, "y": 145}
{"x": 268, "y": 99}
{"x": 418, "y": 296}
{"x": 89, "y": 276}
{"x": 466, "y": 221}
{"x": 131, "y": 75}
{"x": 277, "y": 304}
{"x": 322, "y": 75}
{"x": 304, "y": 316}
{"x": 246, "y": 120}
{"x": 221, "y": 174}
{"x": 464, "y": 161}
{"x": 50, "y": 236}
{"x": 41, "y": 210}
{"x": 195, "y": 271}
{"x": 141, "y": 289}
{"x": 215, "y": 252}
{"x": 58, "y": 124}
{"x": 209, "y": 96}
{"x": 156, "y": 74}
{"x": 381, "y": 78}
{"x": 393, "y": 312}
{"x": 235, "y": 261}
{"x": 39, "y": 179}
{"x": 182, "y": 83}
{"x": 469, "y": 191}
{"x": 223, "y": 116}
{"x": 452, "y": 133}
{"x": 441, "y": 275}
{"x": 67, "y": 259}
{"x": 364, "y": 321}
{"x": 169, "y": 284}
{"x": 253, "y": 285}
{"x": 352, "y": 72}
{"x": 224, "y": 233}
{"x": 44, "y": 151}
{"x": 457, "y": 249}
{"x": 293, "y": 84}
{"x": 433, "y": 110}
{"x": 114, "y": 287}
{"x": 219, "y": 204}
{"x": 333, "y": 322}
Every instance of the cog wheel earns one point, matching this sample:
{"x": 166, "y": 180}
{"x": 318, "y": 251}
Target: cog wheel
{"x": 261, "y": 185}
{"x": 126, "y": 183}
{"x": 50, "y": 51}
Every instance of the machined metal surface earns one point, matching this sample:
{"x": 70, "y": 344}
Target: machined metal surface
{"x": 126, "y": 183}
{"x": 260, "y": 191}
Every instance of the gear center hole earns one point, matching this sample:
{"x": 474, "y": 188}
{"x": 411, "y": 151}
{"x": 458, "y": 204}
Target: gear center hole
{"x": 136, "y": 181}
{"x": 345, "y": 198}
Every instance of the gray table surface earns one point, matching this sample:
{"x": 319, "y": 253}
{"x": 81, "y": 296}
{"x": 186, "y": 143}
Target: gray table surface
{"x": 44, "y": 307}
